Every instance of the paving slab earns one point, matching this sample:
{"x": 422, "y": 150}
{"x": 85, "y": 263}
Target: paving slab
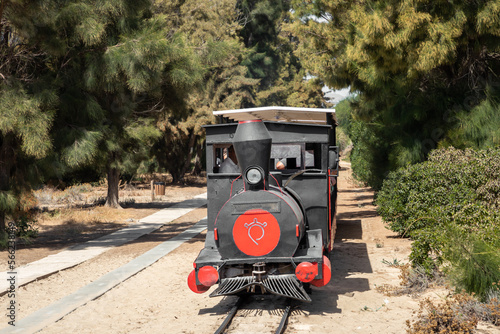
{"x": 77, "y": 254}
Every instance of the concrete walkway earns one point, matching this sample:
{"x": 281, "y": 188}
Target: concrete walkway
{"x": 77, "y": 254}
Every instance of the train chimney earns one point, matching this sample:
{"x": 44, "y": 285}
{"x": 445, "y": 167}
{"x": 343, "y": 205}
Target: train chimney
{"x": 252, "y": 144}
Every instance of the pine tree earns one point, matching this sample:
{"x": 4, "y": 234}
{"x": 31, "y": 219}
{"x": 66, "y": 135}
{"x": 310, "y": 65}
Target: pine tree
{"x": 26, "y": 99}
{"x": 121, "y": 74}
{"x": 414, "y": 64}
{"x": 211, "y": 29}
{"x": 271, "y": 57}
{"x": 248, "y": 60}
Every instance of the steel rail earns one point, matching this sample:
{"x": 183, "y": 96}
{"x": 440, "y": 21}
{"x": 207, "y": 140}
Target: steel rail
{"x": 227, "y": 321}
{"x": 229, "y": 317}
{"x": 284, "y": 319}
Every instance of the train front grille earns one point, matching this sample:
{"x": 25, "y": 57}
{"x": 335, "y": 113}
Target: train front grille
{"x": 282, "y": 285}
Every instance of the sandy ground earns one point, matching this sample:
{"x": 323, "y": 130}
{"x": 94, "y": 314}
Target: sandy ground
{"x": 61, "y": 227}
{"x": 157, "y": 300}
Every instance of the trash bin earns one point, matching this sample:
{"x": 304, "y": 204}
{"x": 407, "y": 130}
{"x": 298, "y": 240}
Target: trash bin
{"x": 159, "y": 188}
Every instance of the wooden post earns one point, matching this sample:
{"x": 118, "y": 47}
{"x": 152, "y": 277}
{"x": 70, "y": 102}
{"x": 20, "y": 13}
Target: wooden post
{"x": 152, "y": 191}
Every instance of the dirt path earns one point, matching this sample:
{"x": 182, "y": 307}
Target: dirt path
{"x": 157, "y": 300}
{"x": 350, "y": 303}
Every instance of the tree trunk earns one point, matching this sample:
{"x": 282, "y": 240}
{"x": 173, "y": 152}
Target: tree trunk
{"x": 187, "y": 163}
{"x": 197, "y": 161}
{"x": 6, "y": 162}
{"x": 113, "y": 182}
{"x": 2, "y": 222}
{"x": 176, "y": 178}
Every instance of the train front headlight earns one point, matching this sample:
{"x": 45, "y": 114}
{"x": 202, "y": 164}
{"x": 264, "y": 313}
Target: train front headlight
{"x": 254, "y": 175}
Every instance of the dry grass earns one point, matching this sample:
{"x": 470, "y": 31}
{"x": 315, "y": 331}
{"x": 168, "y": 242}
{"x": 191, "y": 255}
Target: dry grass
{"x": 458, "y": 313}
{"x": 85, "y": 195}
{"x": 77, "y": 214}
{"x": 444, "y": 317}
{"x": 87, "y": 216}
{"x": 413, "y": 281}
{"x": 73, "y": 225}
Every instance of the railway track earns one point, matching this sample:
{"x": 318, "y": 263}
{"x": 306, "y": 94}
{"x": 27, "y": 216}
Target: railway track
{"x": 224, "y": 327}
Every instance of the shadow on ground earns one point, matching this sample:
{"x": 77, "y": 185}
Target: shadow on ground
{"x": 71, "y": 233}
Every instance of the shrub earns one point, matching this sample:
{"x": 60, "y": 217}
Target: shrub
{"x": 445, "y": 318}
{"x": 459, "y": 313}
{"x": 369, "y": 154}
{"x": 413, "y": 280}
{"x": 449, "y": 205}
{"x": 474, "y": 259}
{"x": 26, "y": 229}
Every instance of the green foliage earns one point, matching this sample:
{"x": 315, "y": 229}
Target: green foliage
{"x": 8, "y": 201}
{"x": 369, "y": 159}
{"x": 26, "y": 229}
{"x": 125, "y": 70}
{"x": 474, "y": 258}
{"x": 343, "y": 142}
{"x": 260, "y": 34}
{"x": 24, "y": 116}
{"x": 270, "y": 57}
{"x": 344, "y": 119}
{"x": 304, "y": 93}
{"x": 343, "y": 113}
{"x": 422, "y": 71}
{"x": 83, "y": 149}
{"x": 210, "y": 29}
{"x": 479, "y": 126}
{"x": 449, "y": 206}
{"x": 27, "y": 99}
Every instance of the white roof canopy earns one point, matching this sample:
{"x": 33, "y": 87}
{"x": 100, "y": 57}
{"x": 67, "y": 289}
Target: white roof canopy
{"x": 279, "y": 114}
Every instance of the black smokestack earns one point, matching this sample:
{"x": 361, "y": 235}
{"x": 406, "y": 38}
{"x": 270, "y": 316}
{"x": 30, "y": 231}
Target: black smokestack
{"x": 252, "y": 144}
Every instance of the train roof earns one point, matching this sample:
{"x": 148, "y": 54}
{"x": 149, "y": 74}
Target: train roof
{"x": 279, "y": 114}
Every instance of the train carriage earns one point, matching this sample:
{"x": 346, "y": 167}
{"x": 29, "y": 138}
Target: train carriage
{"x": 271, "y": 221}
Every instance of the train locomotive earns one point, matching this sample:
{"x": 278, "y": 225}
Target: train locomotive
{"x": 271, "y": 223}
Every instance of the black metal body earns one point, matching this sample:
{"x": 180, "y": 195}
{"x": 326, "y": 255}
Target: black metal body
{"x": 299, "y": 199}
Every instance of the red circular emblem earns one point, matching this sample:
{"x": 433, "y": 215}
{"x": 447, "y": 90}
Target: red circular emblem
{"x": 256, "y": 232}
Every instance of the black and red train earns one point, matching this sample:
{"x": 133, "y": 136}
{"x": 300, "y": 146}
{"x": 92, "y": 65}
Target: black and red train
{"x": 271, "y": 222}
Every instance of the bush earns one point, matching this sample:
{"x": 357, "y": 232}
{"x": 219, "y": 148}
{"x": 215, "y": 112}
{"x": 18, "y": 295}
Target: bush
{"x": 369, "y": 155}
{"x": 343, "y": 141}
{"x": 26, "y": 228}
{"x": 445, "y": 318}
{"x": 449, "y": 205}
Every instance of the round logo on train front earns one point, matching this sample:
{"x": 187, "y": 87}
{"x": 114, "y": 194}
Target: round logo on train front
{"x": 256, "y": 232}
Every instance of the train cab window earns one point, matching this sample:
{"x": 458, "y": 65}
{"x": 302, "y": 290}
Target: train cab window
{"x": 223, "y": 161}
{"x": 313, "y": 156}
{"x": 287, "y": 156}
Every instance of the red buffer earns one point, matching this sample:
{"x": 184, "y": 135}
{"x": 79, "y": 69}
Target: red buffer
{"x": 306, "y": 271}
{"x": 208, "y": 275}
{"x": 192, "y": 284}
{"x": 327, "y": 273}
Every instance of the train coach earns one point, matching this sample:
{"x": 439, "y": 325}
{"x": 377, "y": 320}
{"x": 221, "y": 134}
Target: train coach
{"x": 271, "y": 205}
